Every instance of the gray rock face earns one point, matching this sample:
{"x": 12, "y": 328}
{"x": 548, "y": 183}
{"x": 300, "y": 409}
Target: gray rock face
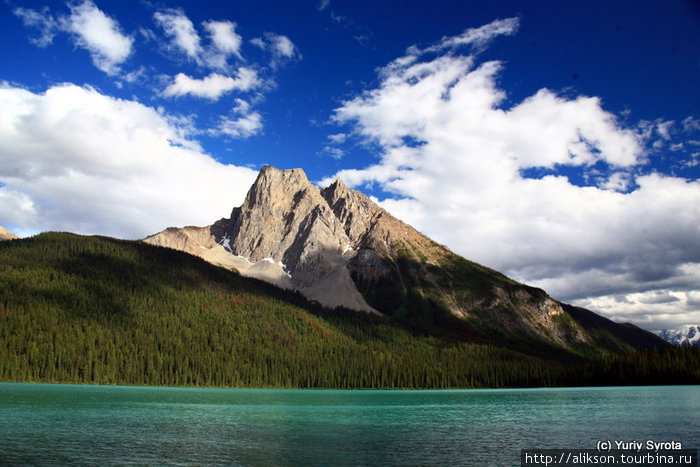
{"x": 285, "y": 218}
{"x": 287, "y": 225}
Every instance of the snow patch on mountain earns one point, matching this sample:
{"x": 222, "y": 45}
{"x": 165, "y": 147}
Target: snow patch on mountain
{"x": 226, "y": 243}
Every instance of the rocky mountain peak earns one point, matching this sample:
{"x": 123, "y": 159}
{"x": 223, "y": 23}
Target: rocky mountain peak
{"x": 317, "y": 241}
{"x": 334, "y": 191}
{"x": 274, "y": 187}
{"x": 336, "y": 246}
{"x": 285, "y": 218}
{"x": 352, "y": 208}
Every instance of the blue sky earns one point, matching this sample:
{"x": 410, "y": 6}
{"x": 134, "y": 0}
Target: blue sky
{"x": 555, "y": 141}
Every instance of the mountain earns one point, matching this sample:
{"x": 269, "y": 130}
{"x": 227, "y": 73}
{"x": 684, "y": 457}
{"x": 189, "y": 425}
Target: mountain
{"x": 685, "y": 335}
{"x": 340, "y": 249}
{"x": 6, "y": 234}
{"x": 77, "y": 309}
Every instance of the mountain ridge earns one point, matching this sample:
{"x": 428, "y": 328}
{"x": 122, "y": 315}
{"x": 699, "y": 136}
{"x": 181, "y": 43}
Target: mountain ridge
{"x": 684, "y": 335}
{"x": 339, "y": 248}
{"x": 6, "y": 234}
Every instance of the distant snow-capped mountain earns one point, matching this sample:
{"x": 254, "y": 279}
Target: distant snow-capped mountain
{"x": 688, "y": 334}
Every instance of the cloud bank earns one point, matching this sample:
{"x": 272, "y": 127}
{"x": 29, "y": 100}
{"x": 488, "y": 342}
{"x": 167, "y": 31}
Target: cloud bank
{"x": 75, "y": 159}
{"x": 552, "y": 191}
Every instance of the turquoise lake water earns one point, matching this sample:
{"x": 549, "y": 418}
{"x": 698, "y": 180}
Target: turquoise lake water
{"x": 94, "y": 425}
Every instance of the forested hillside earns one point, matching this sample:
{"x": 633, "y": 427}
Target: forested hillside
{"x": 99, "y": 310}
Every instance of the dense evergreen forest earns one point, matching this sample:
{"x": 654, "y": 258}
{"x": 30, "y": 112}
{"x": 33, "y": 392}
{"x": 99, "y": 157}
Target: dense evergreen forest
{"x": 99, "y": 310}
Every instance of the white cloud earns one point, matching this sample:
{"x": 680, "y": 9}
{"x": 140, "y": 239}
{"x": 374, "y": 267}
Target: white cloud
{"x": 335, "y": 153}
{"x": 213, "y": 86}
{"x": 244, "y": 123}
{"x": 258, "y": 42}
{"x": 617, "y": 181}
{"x": 663, "y": 127}
{"x": 224, "y": 43}
{"x": 478, "y": 37}
{"x": 652, "y": 309}
{"x": 338, "y": 138}
{"x": 41, "y": 20}
{"x": 181, "y": 31}
{"x": 225, "y": 39}
{"x": 691, "y": 124}
{"x": 658, "y": 134}
{"x": 280, "y": 46}
{"x": 456, "y": 160}
{"x": 74, "y": 159}
{"x": 92, "y": 29}
{"x": 136, "y": 75}
{"x": 241, "y": 127}
{"x": 100, "y": 35}
{"x": 323, "y": 4}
